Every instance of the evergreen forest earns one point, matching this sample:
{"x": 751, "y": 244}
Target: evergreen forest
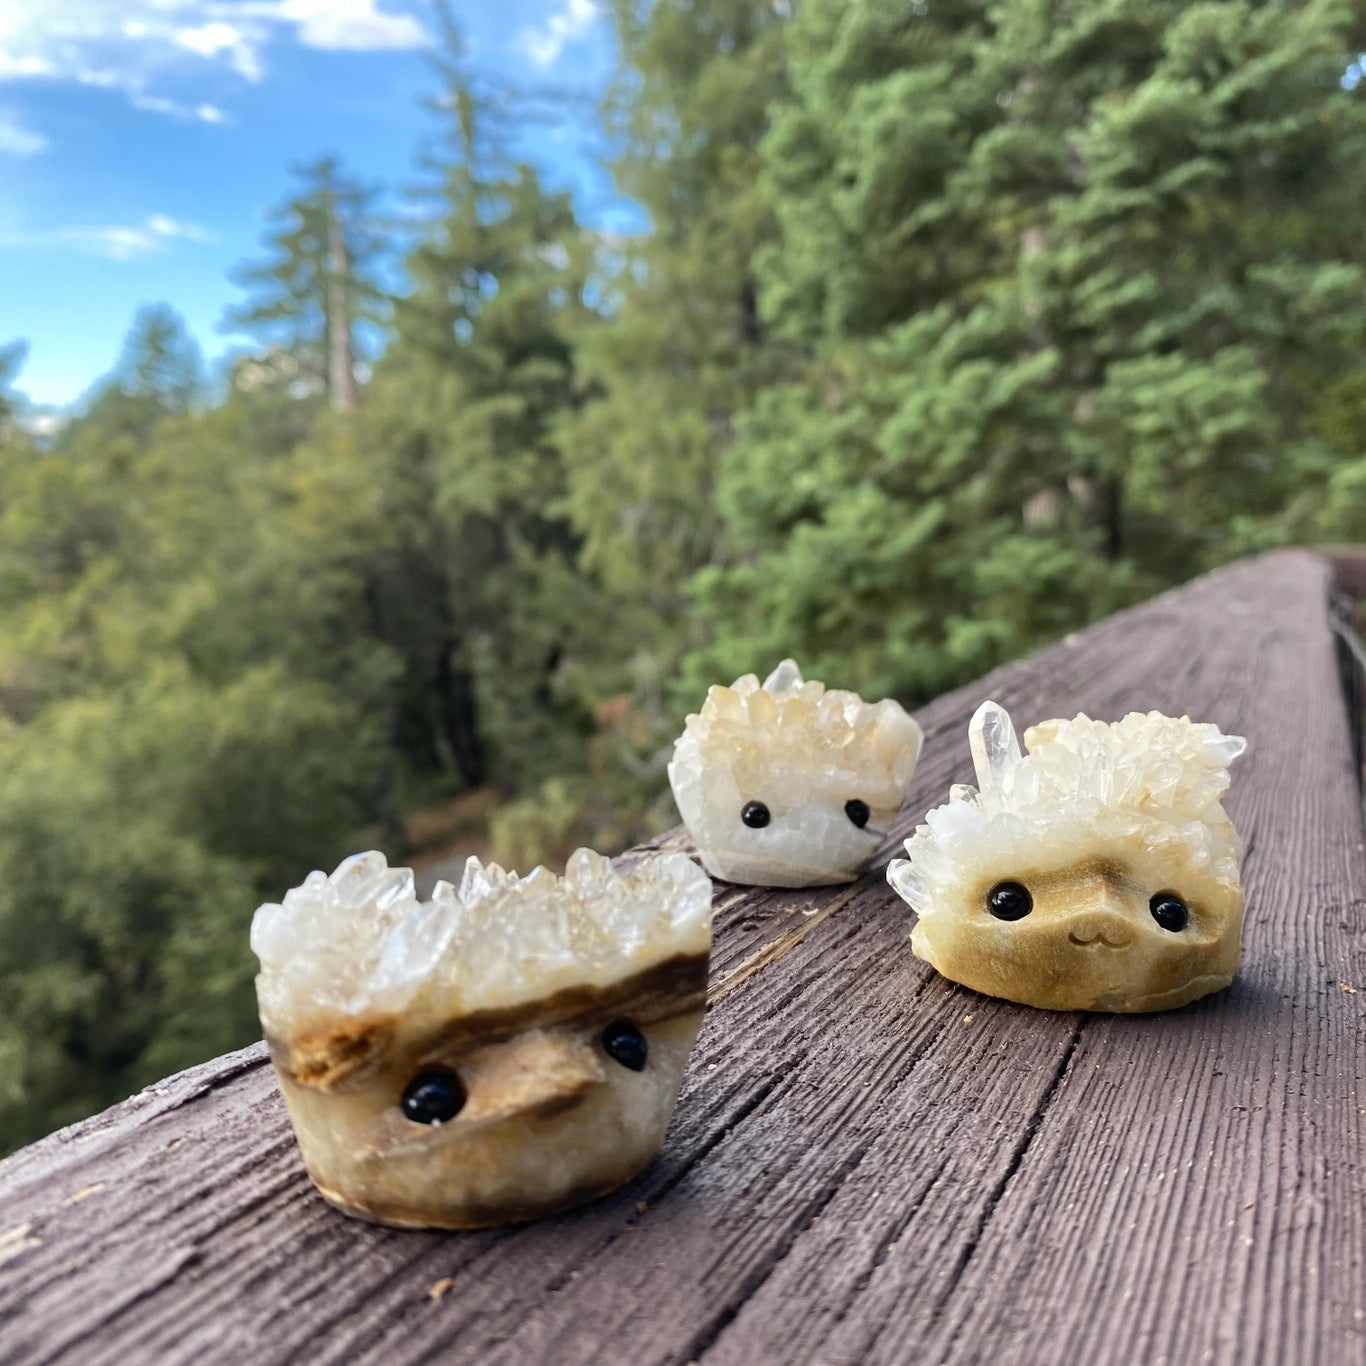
{"x": 956, "y": 325}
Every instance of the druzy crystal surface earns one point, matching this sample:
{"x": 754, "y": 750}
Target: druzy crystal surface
{"x": 788, "y": 783}
{"x": 1115, "y": 837}
{"x": 509, "y": 1047}
{"x": 360, "y": 940}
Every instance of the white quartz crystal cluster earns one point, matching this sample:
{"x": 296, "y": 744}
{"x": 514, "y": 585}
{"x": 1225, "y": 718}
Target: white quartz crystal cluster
{"x": 1085, "y": 789}
{"x": 361, "y": 941}
{"x": 804, "y": 752}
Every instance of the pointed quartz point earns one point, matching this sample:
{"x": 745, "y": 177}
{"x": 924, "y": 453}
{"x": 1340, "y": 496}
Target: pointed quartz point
{"x": 475, "y": 882}
{"x": 995, "y": 748}
{"x": 1224, "y": 749}
{"x": 787, "y": 677}
{"x": 909, "y": 883}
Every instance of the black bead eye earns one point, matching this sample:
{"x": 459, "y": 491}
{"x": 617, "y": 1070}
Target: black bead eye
{"x": 433, "y": 1097}
{"x": 857, "y": 812}
{"x": 1169, "y": 911}
{"x": 755, "y": 815}
{"x": 1010, "y": 901}
{"x": 624, "y": 1043}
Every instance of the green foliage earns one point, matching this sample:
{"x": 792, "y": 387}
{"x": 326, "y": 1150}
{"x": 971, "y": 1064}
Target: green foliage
{"x": 322, "y": 279}
{"x": 684, "y": 353}
{"x": 11, "y": 359}
{"x": 486, "y": 600}
{"x": 131, "y": 823}
{"x": 955, "y": 325}
{"x": 1070, "y": 297}
{"x": 161, "y": 363}
{"x": 160, "y": 373}
{"x": 186, "y": 725}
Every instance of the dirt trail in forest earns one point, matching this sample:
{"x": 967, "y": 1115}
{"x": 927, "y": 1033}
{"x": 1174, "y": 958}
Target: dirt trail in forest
{"x": 444, "y": 836}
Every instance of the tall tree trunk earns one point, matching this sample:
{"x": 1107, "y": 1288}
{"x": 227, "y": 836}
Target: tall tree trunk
{"x": 385, "y": 792}
{"x": 1111, "y": 492}
{"x": 751, "y": 328}
{"x": 386, "y": 806}
{"x": 459, "y": 718}
{"x": 341, "y": 361}
{"x": 1101, "y": 503}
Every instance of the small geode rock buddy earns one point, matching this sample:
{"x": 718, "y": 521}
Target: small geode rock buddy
{"x": 1099, "y": 871}
{"x": 512, "y": 1047}
{"x": 786, "y": 784}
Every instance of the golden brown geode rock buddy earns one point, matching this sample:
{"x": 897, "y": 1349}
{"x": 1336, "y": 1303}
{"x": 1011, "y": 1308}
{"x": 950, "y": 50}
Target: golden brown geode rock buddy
{"x": 1097, "y": 872}
{"x": 512, "y": 1047}
{"x": 790, "y": 784}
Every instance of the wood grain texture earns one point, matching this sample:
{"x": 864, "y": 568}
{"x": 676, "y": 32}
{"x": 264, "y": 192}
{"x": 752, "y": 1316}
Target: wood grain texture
{"x": 868, "y": 1164}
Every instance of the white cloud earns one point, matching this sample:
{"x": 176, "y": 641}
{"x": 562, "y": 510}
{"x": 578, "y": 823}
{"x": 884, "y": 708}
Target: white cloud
{"x": 219, "y": 40}
{"x": 102, "y": 80}
{"x": 208, "y": 40}
{"x": 168, "y": 228}
{"x": 566, "y": 25}
{"x": 186, "y": 113}
{"x": 126, "y": 242}
{"x": 13, "y": 65}
{"x": 18, "y": 141}
{"x": 132, "y": 45}
{"x": 351, "y": 25}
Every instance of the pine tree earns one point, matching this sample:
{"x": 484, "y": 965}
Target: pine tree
{"x": 161, "y": 361}
{"x": 471, "y": 583}
{"x": 686, "y": 349}
{"x": 683, "y": 351}
{"x": 11, "y": 359}
{"x": 187, "y": 725}
{"x": 159, "y": 375}
{"x": 320, "y": 289}
{"x": 1070, "y": 275}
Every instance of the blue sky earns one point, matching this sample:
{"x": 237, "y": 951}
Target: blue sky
{"x": 142, "y": 141}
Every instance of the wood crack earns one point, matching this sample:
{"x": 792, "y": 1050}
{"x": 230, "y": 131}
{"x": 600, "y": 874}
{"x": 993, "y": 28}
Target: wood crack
{"x": 164, "y": 1274}
{"x": 1002, "y": 1184}
{"x": 709, "y": 1336}
{"x": 778, "y": 948}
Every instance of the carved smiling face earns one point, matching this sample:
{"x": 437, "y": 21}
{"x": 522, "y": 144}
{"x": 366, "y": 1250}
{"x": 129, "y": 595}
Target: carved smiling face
{"x": 1143, "y": 934}
{"x": 1098, "y": 873}
{"x": 499, "y": 1053}
{"x": 788, "y": 785}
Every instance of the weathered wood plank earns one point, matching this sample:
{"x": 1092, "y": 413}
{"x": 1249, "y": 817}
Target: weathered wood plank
{"x": 867, "y": 1163}
{"x": 1195, "y": 1186}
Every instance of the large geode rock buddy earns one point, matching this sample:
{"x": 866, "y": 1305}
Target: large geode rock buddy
{"x": 786, "y": 784}
{"x": 1099, "y": 871}
{"x": 509, "y": 1048}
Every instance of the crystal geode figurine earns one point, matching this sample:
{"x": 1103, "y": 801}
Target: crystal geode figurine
{"x": 509, "y": 1048}
{"x": 788, "y": 785}
{"x": 1097, "y": 872}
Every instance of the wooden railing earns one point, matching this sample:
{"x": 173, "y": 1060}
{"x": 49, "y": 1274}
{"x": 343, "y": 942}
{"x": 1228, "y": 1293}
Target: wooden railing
{"x": 867, "y": 1163}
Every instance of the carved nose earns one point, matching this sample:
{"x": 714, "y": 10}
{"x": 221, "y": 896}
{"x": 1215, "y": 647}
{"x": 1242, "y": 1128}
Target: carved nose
{"x": 1099, "y": 918}
{"x": 1101, "y": 929}
{"x": 540, "y": 1072}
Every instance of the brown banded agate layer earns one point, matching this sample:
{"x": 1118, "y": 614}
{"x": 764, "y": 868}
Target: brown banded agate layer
{"x": 455, "y": 1110}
